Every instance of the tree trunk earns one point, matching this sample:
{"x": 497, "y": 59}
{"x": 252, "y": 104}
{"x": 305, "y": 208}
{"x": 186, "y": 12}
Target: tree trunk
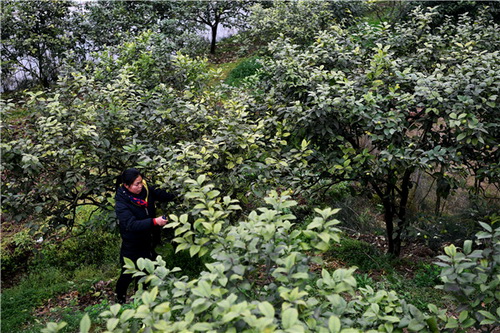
{"x": 389, "y": 210}
{"x": 389, "y": 226}
{"x": 392, "y": 210}
{"x": 403, "y": 202}
{"x": 214, "y": 37}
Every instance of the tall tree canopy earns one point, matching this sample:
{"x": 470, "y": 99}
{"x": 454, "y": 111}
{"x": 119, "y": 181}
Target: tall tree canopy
{"x": 213, "y": 14}
{"x": 35, "y": 36}
{"x": 377, "y": 111}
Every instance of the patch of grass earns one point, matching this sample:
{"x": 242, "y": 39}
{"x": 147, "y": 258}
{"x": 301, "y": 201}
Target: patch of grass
{"x": 59, "y": 266}
{"x": 225, "y": 69}
{"x": 364, "y": 280}
{"x": 414, "y": 292}
{"x": 362, "y": 255}
{"x": 427, "y": 275}
{"x": 244, "y": 69}
{"x": 19, "y": 302}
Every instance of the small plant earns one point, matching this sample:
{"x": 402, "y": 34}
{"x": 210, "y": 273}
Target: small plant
{"x": 472, "y": 277}
{"x": 364, "y": 280}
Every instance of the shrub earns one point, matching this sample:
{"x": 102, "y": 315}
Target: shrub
{"x": 91, "y": 248}
{"x": 16, "y": 252}
{"x": 259, "y": 280}
{"x": 472, "y": 278}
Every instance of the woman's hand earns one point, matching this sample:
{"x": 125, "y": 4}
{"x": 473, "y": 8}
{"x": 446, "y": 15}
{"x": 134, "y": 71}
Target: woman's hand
{"x": 160, "y": 220}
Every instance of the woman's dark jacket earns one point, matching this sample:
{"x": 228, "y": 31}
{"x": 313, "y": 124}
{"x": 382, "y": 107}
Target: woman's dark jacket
{"x": 137, "y": 229}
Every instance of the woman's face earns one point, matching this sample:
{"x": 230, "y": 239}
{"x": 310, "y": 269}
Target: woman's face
{"x": 136, "y": 186}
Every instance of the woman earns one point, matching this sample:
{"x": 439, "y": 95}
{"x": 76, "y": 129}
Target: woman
{"x": 139, "y": 228}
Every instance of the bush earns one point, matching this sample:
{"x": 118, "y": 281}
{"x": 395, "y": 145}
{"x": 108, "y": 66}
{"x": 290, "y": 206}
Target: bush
{"x": 472, "y": 278}
{"x": 260, "y": 279}
{"x": 17, "y": 250}
{"x": 92, "y": 248}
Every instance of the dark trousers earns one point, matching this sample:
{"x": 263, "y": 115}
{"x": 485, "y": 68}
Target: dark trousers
{"x": 124, "y": 281}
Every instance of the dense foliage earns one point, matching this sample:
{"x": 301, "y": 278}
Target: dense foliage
{"x": 298, "y": 20}
{"x": 35, "y": 38}
{"x": 243, "y": 290}
{"x": 377, "y": 111}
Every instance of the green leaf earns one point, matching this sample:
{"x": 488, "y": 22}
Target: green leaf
{"x": 322, "y": 246}
{"x": 129, "y": 264}
{"x": 204, "y": 289}
{"x": 452, "y": 323}
{"x": 334, "y": 324}
{"x": 141, "y": 263}
{"x": 467, "y": 246}
{"x": 289, "y": 317}
{"x": 487, "y": 314}
{"x": 212, "y": 194}
{"x": 85, "y": 324}
{"x": 266, "y": 309}
{"x": 111, "y": 324}
{"x": 194, "y": 249}
{"x": 486, "y": 226}
{"x": 201, "y": 179}
{"x": 115, "y": 308}
{"x": 463, "y": 316}
{"x": 451, "y": 250}
{"x": 126, "y": 315}
{"x": 229, "y": 317}
{"x": 316, "y": 223}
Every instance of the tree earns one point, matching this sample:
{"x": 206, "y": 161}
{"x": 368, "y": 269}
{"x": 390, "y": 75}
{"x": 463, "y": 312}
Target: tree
{"x": 35, "y": 37}
{"x": 298, "y": 20}
{"x": 213, "y": 14}
{"x": 109, "y": 23}
{"x": 112, "y": 23}
{"x": 132, "y": 107}
{"x": 93, "y": 124}
{"x": 376, "y": 111}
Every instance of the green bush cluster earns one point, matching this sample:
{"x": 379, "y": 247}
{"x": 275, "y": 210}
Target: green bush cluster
{"x": 471, "y": 276}
{"x": 90, "y": 248}
{"x": 17, "y": 250}
{"x": 260, "y": 278}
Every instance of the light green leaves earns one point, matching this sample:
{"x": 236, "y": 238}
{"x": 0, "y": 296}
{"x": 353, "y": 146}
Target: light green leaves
{"x": 289, "y": 318}
{"x": 472, "y": 277}
{"x": 85, "y": 324}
